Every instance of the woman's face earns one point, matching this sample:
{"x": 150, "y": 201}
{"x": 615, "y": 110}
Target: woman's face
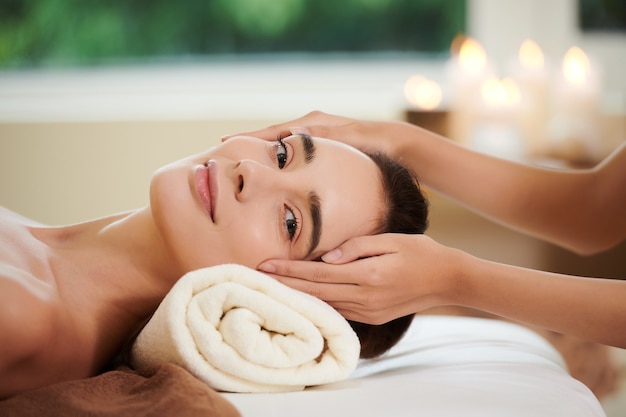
{"x": 249, "y": 200}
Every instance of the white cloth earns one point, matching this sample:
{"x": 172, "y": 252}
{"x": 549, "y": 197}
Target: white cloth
{"x": 240, "y": 330}
{"x": 445, "y": 367}
{"x": 433, "y": 341}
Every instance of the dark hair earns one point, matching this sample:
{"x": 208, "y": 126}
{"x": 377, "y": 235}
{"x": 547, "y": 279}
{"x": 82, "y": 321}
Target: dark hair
{"x": 406, "y": 211}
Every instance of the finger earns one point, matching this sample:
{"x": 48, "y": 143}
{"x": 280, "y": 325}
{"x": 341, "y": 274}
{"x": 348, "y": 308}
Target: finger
{"x": 347, "y": 314}
{"x": 315, "y": 118}
{"x": 282, "y": 129}
{"x": 268, "y": 133}
{"x": 363, "y": 316}
{"x": 331, "y": 293}
{"x": 337, "y": 131}
{"x": 272, "y": 133}
{"x": 361, "y": 247}
{"x": 328, "y": 292}
{"x": 312, "y": 271}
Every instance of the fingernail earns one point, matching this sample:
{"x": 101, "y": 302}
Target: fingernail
{"x": 332, "y": 256}
{"x": 267, "y": 267}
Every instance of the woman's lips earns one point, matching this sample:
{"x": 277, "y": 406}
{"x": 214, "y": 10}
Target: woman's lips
{"x": 206, "y": 187}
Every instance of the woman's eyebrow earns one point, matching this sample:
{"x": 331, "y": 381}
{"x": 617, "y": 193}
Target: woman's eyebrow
{"x": 314, "y": 202}
{"x": 315, "y": 209}
{"x": 308, "y": 146}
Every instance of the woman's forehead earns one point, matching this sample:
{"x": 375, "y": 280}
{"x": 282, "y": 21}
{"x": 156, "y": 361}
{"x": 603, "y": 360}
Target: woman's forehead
{"x": 351, "y": 194}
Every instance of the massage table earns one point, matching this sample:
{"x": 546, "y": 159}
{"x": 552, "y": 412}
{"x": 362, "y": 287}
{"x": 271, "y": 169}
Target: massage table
{"x": 243, "y": 333}
{"x": 444, "y": 366}
{"x": 184, "y": 360}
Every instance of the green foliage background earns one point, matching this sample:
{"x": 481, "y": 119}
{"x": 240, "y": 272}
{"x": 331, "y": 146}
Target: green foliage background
{"x": 602, "y": 15}
{"x": 35, "y": 33}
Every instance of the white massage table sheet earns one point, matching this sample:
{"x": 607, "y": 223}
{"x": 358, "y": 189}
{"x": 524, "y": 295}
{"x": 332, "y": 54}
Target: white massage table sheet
{"x": 445, "y": 366}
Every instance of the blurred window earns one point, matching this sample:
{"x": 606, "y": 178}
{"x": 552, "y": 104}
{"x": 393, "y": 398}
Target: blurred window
{"x": 602, "y": 15}
{"x": 43, "y": 33}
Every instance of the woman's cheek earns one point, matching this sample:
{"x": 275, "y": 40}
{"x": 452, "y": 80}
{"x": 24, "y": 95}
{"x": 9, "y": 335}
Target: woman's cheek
{"x": 258, "y": 243}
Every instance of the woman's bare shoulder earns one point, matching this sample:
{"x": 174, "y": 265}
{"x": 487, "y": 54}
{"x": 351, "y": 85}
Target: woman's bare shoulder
{"x": 32, "y": 319}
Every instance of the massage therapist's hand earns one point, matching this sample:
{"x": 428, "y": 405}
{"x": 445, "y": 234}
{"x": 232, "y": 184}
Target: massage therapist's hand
{"x": 365, "y": 135}
{"x": 375, "y": 279}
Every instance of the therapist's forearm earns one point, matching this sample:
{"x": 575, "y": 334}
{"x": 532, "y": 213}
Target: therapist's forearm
{"x": 560, "y": 206}
{"x": 588, "y": 308}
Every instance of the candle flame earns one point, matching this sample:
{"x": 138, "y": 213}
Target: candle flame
{"x": 423, "y": 92}
{"x": 472, "y": 56}
{"x": 500, "y": 93}
{"x": 576, "y": 66}
{"x": 455, "y": 45}
{"x": 530, "y": 55}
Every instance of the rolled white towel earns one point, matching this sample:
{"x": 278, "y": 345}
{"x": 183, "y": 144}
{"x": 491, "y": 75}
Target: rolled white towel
{"x": 240, "y": 330}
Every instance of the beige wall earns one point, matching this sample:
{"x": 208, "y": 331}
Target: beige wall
{"x": 59, "y": 173}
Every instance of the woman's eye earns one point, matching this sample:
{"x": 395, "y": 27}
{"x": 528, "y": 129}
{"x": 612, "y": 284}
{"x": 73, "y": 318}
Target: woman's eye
{"x": 291, "y": 223}
{"x": 281, "y": 154}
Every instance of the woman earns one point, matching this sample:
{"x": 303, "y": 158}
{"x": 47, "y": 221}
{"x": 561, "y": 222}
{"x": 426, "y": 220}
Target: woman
{"x": 581, "y": 210}
{"x": 71, "y": 296}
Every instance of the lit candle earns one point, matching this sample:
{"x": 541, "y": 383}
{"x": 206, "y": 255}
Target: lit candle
{"x": 496, "y": 129}
{"x": 530, "y": 73}
{"x": 574, "y": 128}
{"x": 423, "y": 93}
{"x": 466, "y": 71}
{"x": 500, "y": 94}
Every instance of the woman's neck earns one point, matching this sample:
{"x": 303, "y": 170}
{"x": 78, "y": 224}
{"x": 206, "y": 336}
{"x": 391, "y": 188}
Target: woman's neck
{"x": 117, "y": 261}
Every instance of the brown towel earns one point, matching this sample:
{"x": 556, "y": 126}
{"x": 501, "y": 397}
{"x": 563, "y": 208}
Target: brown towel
{"x": 168, "y": 390}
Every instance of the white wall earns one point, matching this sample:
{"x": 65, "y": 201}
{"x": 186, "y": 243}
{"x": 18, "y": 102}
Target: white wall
{"x": 241, "y": 89}
{"x": 501, "y": 26}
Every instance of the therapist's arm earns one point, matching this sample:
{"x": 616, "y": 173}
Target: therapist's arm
{"x": 581, "y": 210}
{"x": 588, "y": 308}
{"x": 375, "y": 279}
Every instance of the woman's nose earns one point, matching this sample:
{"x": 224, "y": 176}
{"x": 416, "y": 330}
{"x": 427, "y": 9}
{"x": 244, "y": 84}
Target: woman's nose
{"x": 252, "y": 178}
